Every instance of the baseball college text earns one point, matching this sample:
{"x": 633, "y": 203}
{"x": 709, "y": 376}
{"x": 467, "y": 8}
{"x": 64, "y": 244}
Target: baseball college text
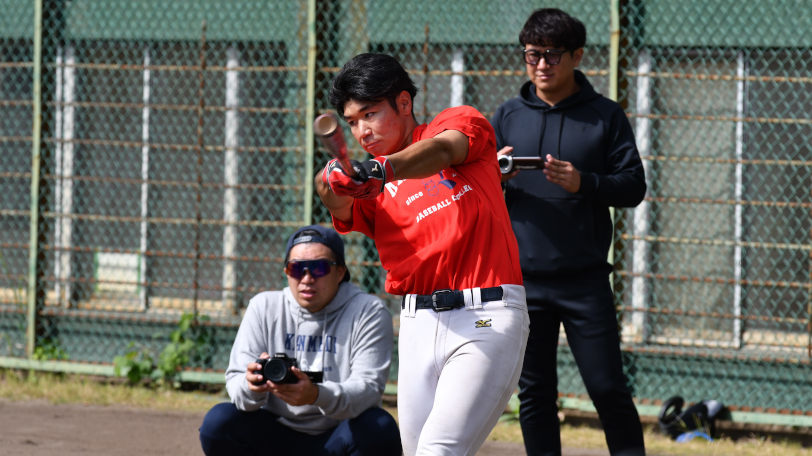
{"x": 442, "y": 204}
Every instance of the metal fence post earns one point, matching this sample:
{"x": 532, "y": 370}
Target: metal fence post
{"x": 614, "y": 52}
{"x": 33, "y": 294}
{"x": 310, "y": 110}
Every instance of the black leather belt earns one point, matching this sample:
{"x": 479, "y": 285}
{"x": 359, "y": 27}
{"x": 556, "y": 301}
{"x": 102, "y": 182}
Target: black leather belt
{"x": 442, "y": 300}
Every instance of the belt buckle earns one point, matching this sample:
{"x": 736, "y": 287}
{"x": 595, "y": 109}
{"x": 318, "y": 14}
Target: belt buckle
{"x": 442, "y": 300}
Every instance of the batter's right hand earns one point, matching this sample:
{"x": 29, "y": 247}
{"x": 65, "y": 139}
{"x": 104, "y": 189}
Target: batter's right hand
{"x": 332, "y": 167}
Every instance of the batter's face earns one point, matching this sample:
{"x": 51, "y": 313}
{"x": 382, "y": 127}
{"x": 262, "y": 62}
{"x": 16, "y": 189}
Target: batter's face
{"x": 378, "y": 127}
{"x": 313, "y": 294}
{"x": 554, "y": 82}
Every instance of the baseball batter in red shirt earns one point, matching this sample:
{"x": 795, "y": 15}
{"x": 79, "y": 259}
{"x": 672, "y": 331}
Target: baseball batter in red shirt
{"x": 431, "y": 200}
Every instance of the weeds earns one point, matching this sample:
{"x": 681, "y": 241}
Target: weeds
{"x": 188, "y": 342}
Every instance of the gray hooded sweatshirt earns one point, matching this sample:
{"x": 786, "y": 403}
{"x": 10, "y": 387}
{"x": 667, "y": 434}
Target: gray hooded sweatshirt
{"x": 350, "y": 340}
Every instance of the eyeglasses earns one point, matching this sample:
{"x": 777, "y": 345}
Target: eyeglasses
{"x": 552, "y": 56}
{"x": 316, "y": 268}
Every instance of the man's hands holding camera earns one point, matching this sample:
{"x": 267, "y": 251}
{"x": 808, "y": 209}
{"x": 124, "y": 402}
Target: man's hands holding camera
{"x": 302, "y": 392}
{"x": 559, "y": 172}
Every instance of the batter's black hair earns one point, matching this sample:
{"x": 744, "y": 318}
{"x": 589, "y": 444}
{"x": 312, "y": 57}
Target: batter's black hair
{"x": 555, "y": 28}
{"x": 370, "y": 77}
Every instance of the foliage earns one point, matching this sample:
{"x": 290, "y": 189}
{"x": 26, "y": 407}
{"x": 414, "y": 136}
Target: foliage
{"x": 187, "y": 342}
{"x": 512, "y": 410}
{"x": 137, "y": 364}
{"x": 49, "y": 349}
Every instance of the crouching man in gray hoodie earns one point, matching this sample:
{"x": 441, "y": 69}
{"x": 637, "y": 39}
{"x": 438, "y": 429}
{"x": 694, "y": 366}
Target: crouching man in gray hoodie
{"x": 325, "y": 348}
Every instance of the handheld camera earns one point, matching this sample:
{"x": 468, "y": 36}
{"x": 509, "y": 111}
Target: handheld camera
{"x": 278, "y": 370}
{"x": 509, "y": 163}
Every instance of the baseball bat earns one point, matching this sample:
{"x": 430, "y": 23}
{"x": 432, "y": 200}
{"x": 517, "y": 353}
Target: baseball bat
{"x": 327, "y": 129}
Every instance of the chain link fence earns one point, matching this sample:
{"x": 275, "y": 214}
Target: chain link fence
{"x": 154, "y": 157}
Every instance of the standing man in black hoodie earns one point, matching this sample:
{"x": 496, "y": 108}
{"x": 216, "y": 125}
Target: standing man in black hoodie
{"x": 564, "y": 228}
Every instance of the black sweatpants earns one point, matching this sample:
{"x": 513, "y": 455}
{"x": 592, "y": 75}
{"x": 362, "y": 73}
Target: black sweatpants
{"x": 586, "y": 309}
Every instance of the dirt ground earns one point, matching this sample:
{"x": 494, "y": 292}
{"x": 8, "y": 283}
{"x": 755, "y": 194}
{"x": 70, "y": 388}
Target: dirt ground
{"x": 39, "y": 428}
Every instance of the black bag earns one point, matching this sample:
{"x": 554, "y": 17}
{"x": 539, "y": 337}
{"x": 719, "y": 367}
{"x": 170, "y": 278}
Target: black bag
{"x": 700, "y": 417}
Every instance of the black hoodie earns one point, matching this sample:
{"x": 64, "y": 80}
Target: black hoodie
{"x": 564, "y": 234}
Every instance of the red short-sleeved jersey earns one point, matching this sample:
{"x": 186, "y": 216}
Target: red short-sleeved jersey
{"x": 450, "y": 230}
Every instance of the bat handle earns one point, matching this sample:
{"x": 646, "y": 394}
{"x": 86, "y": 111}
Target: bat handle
{"x": 345, "y": 164}
{"x": 327, "y": 128}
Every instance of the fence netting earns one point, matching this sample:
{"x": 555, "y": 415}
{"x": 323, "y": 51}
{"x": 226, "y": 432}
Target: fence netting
{"x": 155, "y": 156}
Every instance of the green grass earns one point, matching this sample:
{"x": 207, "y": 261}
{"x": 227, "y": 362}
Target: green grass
{"x": 70, "y": 389}
{"x": 588, "y": 437}
{"x": 64, "y": 389}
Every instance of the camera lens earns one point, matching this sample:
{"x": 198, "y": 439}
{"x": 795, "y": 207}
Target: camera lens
{"x": 505, "y": 163}
{"x": 276, "y": 370}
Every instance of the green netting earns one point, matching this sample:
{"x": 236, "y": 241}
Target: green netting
{"x": 172, "y": 157}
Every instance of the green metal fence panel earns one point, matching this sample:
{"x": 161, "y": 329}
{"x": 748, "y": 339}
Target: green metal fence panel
{"x": 17, "y": 21}
{"x": 176, "y": 157}
{"x": 173, "y": 163}
{"x": 716, "y": 265}
{"x": 736, "y": 23}
{"x": 231, "y": 20}
{"x": 16, "y": 94}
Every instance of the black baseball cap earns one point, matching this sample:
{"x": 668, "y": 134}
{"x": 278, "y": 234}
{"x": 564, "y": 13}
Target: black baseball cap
{"x": 322, "y": 235}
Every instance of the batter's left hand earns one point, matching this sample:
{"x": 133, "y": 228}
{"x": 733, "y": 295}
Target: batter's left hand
{"x": 368, "y": 182}
{"x": 562, "y": 173}
{"x": 303, "y": 392}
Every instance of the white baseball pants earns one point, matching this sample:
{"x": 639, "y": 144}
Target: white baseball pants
{"x": 457, "y": 370}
